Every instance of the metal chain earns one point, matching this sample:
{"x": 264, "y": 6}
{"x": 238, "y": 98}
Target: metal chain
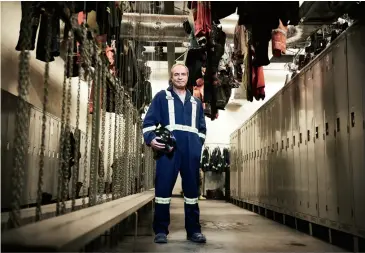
{"x": 77, "y": 131}
{"x": 44, "y": 118}
{"x": 22, "y": 120}
{"x": 115, "y": 176}
{"x": 62, "y": 139}
{"x": 65, "y": 189}
{"x": 123, "y": 155}
{"x": 101, "y": 154}
{"x": 94, "y": 150}
{"x": 132, "y": 164}
{"x": 107, "y": 190}
{"x": 86, "y": 50}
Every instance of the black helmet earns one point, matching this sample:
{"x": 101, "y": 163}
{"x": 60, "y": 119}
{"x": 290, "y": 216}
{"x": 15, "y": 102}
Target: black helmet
{"x": 167, "y": 138}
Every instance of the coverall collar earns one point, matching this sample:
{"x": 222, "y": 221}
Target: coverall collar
{"x": 188, "y": 93}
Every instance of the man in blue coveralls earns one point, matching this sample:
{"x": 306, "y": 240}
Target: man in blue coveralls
{"x": 183, "y": 115}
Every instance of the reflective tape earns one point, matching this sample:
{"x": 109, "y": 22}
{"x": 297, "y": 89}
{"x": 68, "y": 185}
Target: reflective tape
{"x": 160, "y": 200}
{"x": 171, "y": 107}
{"x": 201, "y": 135}
{"x": 193, "y": 112}
{"x": 147, "y": 129}
{"x": 190, "y": 201}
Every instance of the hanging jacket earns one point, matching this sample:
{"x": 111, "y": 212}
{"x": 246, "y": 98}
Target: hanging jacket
{"x": 205, "y": 160}
{"x": 216, "y": 161}
{"x": 226, "y": 160}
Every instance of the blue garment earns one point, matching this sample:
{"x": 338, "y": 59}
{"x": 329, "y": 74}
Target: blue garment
{"x": 187, "y": 123}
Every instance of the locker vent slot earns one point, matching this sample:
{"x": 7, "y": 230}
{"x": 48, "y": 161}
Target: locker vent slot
{"x": 294, "y": 140}
{"x": 327, "y": 130}
{"x": 287, "y": 142}
{"x": 300, "y": 138}
{"x": 338, "y": 124}
{"x": 317, "y": 134}
{"x": 308, "y": 135}
{"x": 282, "y": 144}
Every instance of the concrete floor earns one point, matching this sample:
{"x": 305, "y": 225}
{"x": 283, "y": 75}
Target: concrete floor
{"x": 228, "y": 228}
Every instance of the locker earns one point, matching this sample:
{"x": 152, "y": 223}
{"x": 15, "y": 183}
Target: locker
{"x": 255, "y": 159}
{"x": 289, "y": 149}
{"x": 319, "y": 135}
{"x": 311, "y": 163}
{"x": 277, "y": 168}
{"x": 246, "y": 168}
{"x": 272, "y": 152}
{"x": 266, "y": 155}
{"x": 304, "y": 202}
{"x": 330, "y": 141}
{"x": 53, "y": 146}
{"x": 295, "y": 143}
{"x": 29, "y": 180}
{"x": 356, "y": 75}
{"x": 238, "y": 165}
{"x": 47, "y": 187}
{"x": 251, "y": 182}
{"x": 281, "y": 168}
{"x": 344, "y": 177}
{"x": 56, "y": 161}
{"x": 243, "y": 176}
{"x": 5, "y": 150}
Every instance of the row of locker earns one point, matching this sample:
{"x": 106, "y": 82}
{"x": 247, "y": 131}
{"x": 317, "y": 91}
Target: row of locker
{"x": 304, "y": 149}
{"x": 32, "y": 155}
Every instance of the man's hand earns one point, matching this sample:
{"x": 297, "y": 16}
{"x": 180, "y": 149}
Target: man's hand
{"x": 157, "y": 145}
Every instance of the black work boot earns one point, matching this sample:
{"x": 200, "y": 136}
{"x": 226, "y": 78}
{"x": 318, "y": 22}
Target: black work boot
{"x": 160, "y": 238}
{"x": 197, "y": 237}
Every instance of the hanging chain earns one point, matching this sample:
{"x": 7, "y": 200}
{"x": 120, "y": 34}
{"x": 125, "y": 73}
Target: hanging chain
{"x": 62, "y": 138}
{"x": 77, "y": 131}
{"x": 67, "y": 155}
{"x": 107, "y": 190}
{"x": 86, "y": 50}
{"x": 122, "y": 165}
{"x": 115, "y": 176}
{"x": 132, "y": 164}
{"x": 94, "y": 150}
{"x": 38, "y": 215}
{"x": 103, "y": 111}
{"x": 22, "y": 120}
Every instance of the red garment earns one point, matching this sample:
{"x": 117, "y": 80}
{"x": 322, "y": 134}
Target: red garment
{"x": 202, "y": 18}
{"x": 278, "y": 40}
{"x": 198, "y": 90}
{"x": 258, "y": 83}
{"x": 91, "y": 98}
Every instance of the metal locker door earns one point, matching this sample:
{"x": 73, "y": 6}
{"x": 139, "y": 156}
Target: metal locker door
{"x": 256, "y": 169}
{"x": 245, "y": 169}
{"x": 311, "y": 163}
{"x": 238, "y": 164}
{"x": 295, "y": 143}
{"x": 282, "y": 166}
{"x": 56, "y": 160}
{"x": 356, "y": 75}
{"x": 266, "y": 155}
{"x": 330, "y": 141}
{"x": 344, "y": 177}
{"x": 270, "y": 146}
{"x": 278, "y": 169}
{"x": 304, "y": 203}
{"x": 319, "y": 135}
{"x": 243, "y": 164}
{"x": 29, "y": 180}
{"x": 287, "y": 152}
{"x": 52, "y": 165}
{"x": 6, "y": 171}
{"x": 47, "y": 173}
{"x": 251, "y": 168}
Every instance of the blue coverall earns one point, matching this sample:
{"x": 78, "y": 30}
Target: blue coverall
{"x": 187, "y": 123}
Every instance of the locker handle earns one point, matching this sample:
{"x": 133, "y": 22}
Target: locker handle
{"x": 353, "y": 119}
{"x": 338, "y": 124}
{"x": 300, "y": 138}
{"x": 308, "y": 135}
{"x": 327, "y": 130}
{"x": 317, "y": 134}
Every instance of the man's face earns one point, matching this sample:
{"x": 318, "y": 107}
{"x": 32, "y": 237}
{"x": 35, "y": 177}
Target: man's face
{"x": 179, "y": 77}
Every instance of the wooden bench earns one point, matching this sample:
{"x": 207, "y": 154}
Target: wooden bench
{"x": 27, "y": 215}
{"x": 72, "y": 231}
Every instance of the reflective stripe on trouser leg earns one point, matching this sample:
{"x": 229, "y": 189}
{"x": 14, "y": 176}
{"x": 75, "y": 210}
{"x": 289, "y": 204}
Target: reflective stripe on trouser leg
{"x": 190, "y": 182}
{"x": 193, "y": 112}
{"x": 166, "y": 176}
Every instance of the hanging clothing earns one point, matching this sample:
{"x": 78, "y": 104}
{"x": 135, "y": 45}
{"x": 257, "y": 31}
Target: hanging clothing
{"x": 39, "y": 17}
{"x": 110, "y": 97}
{"x": 279, "y": 40}
{"x": 187, "y": 123}
{"x": 205, "y": 160}
{"x": 202, "y": 20}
